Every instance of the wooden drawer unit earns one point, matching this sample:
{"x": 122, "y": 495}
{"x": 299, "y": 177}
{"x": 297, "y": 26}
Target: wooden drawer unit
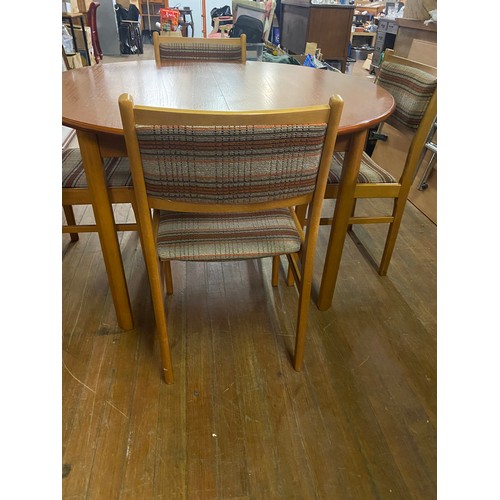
{"x": 327, "y": 25}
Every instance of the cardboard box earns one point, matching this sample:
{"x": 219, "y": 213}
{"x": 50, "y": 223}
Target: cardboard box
{"x": 368, "y": 62}
{"x": 311, "y": 48}
{"x": 424, "y": 52}
{"x": 83, "y": 5}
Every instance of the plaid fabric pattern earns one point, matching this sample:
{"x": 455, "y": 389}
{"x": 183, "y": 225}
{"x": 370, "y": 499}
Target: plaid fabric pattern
{"x": 200, "y": 51}
{"x": 230, "y": 164}
{"x": 412, "y": 90}
{"x": 234, "y": 236}
{"x": 73, "y": 176}
{"x": 369, "y": 171}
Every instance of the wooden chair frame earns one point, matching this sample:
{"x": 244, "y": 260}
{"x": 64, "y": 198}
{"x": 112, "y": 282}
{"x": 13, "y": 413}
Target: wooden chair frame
{"x": 302, "y": 265}
{"x": 81, "y": 196}
{"x": 397, "y": 191}
{"x": 165, "y": 39}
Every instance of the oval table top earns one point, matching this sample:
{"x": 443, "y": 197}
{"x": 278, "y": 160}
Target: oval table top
{"x": 90, "y": 94}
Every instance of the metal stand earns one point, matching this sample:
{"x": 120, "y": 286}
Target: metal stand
{"x": 69, "y": 17}
{"x": 429, "y": 146}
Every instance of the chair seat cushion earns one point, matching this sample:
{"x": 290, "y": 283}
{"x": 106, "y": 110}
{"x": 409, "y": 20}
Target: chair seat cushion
{"x": 227, "y": 236}
{"x": 369, "y": 171}
{"x": 73, "y": 176}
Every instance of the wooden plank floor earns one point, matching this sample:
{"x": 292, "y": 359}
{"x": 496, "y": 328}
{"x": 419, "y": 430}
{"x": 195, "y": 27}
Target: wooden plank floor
{"x": 359, "y": 422}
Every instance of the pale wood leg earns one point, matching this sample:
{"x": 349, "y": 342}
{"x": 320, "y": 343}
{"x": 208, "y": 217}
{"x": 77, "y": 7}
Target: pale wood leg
{"x": 168, "y": 277}
{"x": 390, "y": 242}
{"x": 349, "y": 227}
{"x": 70, "y": 219}
{"x": 103, "y": 213}
{"x": 149, "y": 230}
{"x": 305, "y": 285}
{"x": 276, "y": 270}
{"x": 340, "y": 222}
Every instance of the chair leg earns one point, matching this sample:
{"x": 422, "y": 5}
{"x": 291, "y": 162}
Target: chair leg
{"x": 392, "y": 234}
{"x": 160, "y": 317}
{"x": 70, "y": 219}
{"x": 349, "y": 227}
{"x": 305, "y": 287}
{"x": 276, "y": 270}
{"x": 155, "y": 282}
{"x": 168, "y": 277}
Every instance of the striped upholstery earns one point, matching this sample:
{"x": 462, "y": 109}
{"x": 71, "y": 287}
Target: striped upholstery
{"x": 200, "y": 51}
{"x": 369, "y": 171}
{"x": 205, "y": 237}
{"x": 73, "y": 176}
{"x": 412, "y": 90}
{"x": 230, "y": 164}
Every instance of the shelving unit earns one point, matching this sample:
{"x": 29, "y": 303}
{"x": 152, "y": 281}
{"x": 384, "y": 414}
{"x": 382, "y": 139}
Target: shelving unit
{"x": 150, "y": 13}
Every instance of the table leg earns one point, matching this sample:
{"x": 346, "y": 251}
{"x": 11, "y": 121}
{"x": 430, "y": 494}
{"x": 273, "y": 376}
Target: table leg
{"x": 103, "y": 213}
{"x": 340, "y": 222}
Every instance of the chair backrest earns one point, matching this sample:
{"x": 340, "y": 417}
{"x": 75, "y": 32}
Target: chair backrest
{"x": 229, "y": 161}
{"x": 198, "y": 49}
{"x": 414, "y": 88}
{"x": 412, "y": 84}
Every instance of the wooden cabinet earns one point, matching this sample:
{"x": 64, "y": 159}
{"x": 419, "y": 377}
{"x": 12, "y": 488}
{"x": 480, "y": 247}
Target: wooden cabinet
{"x": 327, "y": 25}
{"x": 150, "y": 13}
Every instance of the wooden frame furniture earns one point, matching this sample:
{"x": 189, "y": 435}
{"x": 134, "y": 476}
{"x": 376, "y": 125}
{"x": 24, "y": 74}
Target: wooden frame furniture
{"x": 69, "y": 16}
{"x": 75, "y": 190}
{"x": 221, "y": 30}
{"x": 414, "y": 86}
{"x": 242, "y": 207}
{"x": 329, "y": 26}
{"x": 217, "y": 87}
{"x": 168, "y": 48}
{"x": 150, "y": 13}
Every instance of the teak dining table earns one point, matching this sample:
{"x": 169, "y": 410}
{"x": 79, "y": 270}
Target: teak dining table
{"x": 90, "y": 105}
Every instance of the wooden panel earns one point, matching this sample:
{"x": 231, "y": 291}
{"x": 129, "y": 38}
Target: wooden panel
{"x": 331, "y": 29}
{"x": 411, "y": 30}
{"x": 295, "y": 28}
{"x": 328, "y": 26}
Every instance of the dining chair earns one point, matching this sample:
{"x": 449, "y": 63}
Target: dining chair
{"x": 214, "y": 203}
{"x": 221, "y": 27}
{"x": 94, "y": 35}
{"x": 414, "y": 88}
{"x": 75, "y": 190}
{"x": 198, "y": 49}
